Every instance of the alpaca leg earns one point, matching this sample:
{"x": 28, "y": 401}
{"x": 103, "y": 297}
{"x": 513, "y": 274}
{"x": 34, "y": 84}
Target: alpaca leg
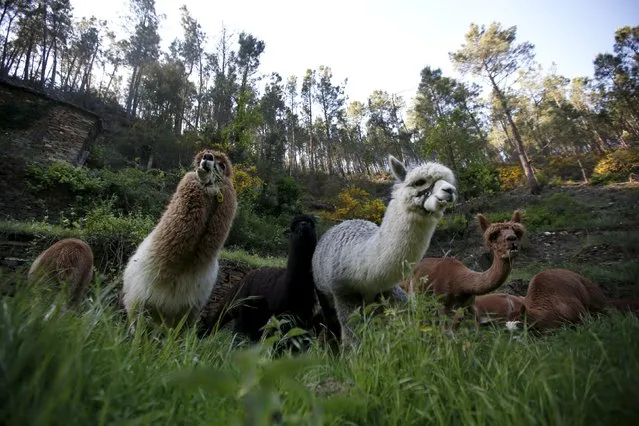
{"x": 345, "y": 306}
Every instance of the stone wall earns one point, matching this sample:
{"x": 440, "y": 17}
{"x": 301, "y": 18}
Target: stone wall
{"x": 36, "y": 128}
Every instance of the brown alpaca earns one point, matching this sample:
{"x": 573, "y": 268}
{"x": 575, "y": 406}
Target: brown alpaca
{"x": 173, "y": 271}
{"x": 69, "y": 263}
{"x": 455, "y": 283}
{"x": 498, "y": 308}
{"x": 558, "y": 296}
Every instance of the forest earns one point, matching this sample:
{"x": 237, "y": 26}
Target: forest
{"x": 209, "y": 90}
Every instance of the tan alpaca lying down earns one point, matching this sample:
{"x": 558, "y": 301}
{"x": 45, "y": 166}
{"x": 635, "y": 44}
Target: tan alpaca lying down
{"x": 67, "y": 263}
{"x": 559, "y": 296}
{"x": 498, "y": 308}
{"x": 555, "y": 297}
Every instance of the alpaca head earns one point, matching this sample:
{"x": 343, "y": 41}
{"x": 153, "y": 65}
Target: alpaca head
{"x": 426, "y": 189}
{"x": 503, "y": 238}
{"x": 302, "y": 231}
{"x": 214, "y": 166}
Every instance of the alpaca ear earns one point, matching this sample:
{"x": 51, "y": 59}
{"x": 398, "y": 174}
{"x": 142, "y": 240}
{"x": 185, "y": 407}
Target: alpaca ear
{"x": 397, "y": 168}
{"x": 483, "y": 222}
{"x": 516, "y": 216}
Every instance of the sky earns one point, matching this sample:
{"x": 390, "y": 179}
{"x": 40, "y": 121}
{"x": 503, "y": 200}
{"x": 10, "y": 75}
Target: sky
{"x": 385, "y": 44}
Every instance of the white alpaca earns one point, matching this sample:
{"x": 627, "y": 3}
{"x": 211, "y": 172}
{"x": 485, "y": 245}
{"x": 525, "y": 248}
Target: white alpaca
{"x": 357, "y": 260}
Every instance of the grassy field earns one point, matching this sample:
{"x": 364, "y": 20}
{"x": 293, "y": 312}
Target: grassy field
{"x": 88, "y": 367}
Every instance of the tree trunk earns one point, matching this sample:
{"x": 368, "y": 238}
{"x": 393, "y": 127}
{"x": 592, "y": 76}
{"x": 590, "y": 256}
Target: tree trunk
{"x": 521, "y": 152}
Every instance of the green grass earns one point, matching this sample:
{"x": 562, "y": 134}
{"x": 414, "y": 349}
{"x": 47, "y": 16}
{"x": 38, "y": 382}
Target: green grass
{"x": 87, "y": 367}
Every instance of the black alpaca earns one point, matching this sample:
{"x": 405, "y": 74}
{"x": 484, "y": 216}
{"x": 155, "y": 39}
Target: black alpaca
{"x": 265, "y": 292}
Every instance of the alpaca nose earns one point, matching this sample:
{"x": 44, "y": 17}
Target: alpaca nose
{"x": 208, "y": 157}
{"x": 450, "y": 192}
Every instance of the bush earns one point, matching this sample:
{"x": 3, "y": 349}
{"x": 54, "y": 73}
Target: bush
{"x": 60, "y": 174}
{"x": 616, "y": 166}
{"x": 128, "y": 190}
{"x": 510, "y": 177}
{"x": 288, "y": 193}
{"x": 246, "y": 182}
{"x": 258, "y": 234}
{"x": 478, "y": 179}
{"x": 355, "y": 203}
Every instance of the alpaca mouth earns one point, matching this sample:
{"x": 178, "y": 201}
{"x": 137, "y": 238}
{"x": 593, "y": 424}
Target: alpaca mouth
{"x": 511, "y": 253}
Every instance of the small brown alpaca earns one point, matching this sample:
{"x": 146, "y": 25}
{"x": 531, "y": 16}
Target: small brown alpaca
{"x": 558, "y": 296}
{"x": 455, "y": 283}
{"x": 498, "y": 308}
{"x": 68, "y": 263}
{"x": 173, "y": 271}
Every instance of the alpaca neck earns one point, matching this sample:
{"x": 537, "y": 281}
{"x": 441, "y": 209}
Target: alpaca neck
{"x": 300, "y": 260}
{"x": 400, "y": 241}
{"x": 493, "y": 277}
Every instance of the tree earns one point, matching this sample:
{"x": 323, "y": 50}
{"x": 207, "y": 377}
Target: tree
{"x": 617, "y": 76}
{"x": 445, "y": 121}
{"x": 144, "y": 47}
{"x": 492, "y": 53}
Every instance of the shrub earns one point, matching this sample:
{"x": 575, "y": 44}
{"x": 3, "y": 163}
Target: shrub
{"x": 510, "y": 177}
{"x": 288, "y": 193}
{"x": 616, "y": 166}
{"x": 258, "y": 234}
{"x": 60, "y": 174}
{"x": 246, "y": 181}
{"x": 355, "y": 203}
{"x": 478, "y": 179}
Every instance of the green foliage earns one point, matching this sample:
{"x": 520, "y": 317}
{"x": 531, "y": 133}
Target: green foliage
{"x": 288, "y": 193}
{"x": 76, "y": 180}
{"x": 258, "y": 233}
{"x": 478, "y": 179}
{"x": 89, "y": 362}
{"x": 558, "y": 211}
{"x": 128, "y": 190}
{"x": 616, "y": 166}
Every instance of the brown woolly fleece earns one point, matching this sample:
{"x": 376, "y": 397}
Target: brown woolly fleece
{"x": 560, "y": 296}
{"x": 498, "y": 307}
{"x": 174, "y": 269}
{"x": 68, "y": 263}
{"x": 197, "y": 222}
{"x": 454, "y": 282}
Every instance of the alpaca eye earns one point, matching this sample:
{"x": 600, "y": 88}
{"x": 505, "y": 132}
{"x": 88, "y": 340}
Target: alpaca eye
{"x": 419, "y": 182}
{"x": 493, "y": 236}
{"x": 519, "y": 233}
{"x": 222, "y": 166}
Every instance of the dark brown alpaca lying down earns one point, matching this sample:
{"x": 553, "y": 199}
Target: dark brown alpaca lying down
{"x": 555, "y": 297}
{"x": 265, "y": 292}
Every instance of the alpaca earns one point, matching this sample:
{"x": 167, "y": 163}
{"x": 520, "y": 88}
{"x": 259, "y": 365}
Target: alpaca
{"x": 558, "y": 296}
{"x": 457, "y": 285}
{"x": 498, "y": 307}
{"x": 173, "y": 271}
{"x": 273, "y": 291}
{"x": 357, "y": 260}
{"x": 69, "y": 262}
